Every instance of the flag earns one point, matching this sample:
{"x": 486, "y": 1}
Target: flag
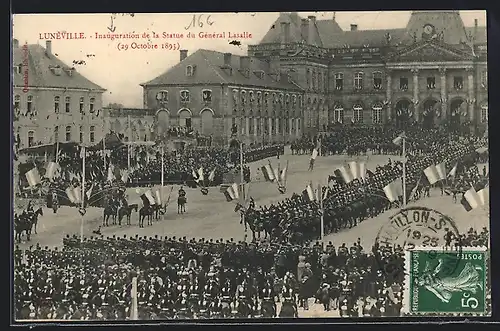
{"x": 283, "y": 173}
{"x": 325, "y": 194}
{"x": 158, "y": 197}
{"x": 201, "y": 176}
{"x": 433, "y": 174}
{"x": 89, "y": 192}
{"x": 111, "y": 176}
{"x": 314, "y": 154}
{"x": 147, "y": 198}
{"x": 232, "y": 192}
{"x": 482, "y": 150}
{"x": 471, "y": 199}
{"x": 484, "y": 195}
{"x": 358, "y": 169}
{"x": 33, "y": 177}
{"x": 268, "y": 172}
{"x": 394, "y": 190}
{"x": 309, "y": 193}
{"x": 441, "y": 170}
{"x": 77, "y": 194}
{"x": 453, "y": 171}
{"x": 399, "y": 139}
{"x": 211, "y": 176}
{"x": 124, "y": 176}
{"x": 70, "y": 194}
{"x": 51, "y": 170}
{"x": 82, "y": 152}
{"x": 195, "y": 175}
{"x": 344, "y": 173}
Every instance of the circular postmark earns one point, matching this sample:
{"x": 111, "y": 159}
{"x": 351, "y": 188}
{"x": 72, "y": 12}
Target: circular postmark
{"x": 417, "y": 228}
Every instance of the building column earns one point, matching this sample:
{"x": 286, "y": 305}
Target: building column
{"x": 415, "y": 93}
{"x": 470, "y": 86}
{"x": 247, "y": 125}
{"x": 388, "y": 95}
{"x": 290, "y": 126}
{"x": 255, "y": 127}
{"x": 277, "y": 122}
{"x": 270, "y": 128}
{"x": 442, "y": 72}
{"x": 297, "y": 127}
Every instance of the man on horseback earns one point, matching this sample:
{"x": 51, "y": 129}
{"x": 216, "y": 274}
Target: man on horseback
{"x": 54, "y": 201}
{"x": 181, "y": 201}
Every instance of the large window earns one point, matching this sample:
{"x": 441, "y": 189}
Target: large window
{"x": 339, "y": 81}
{"x": 31, "y": 138}
{"x": 377, "y": 114}
{"x": 82, "y": 104}
{"x": 357, "y": 113}
{"x": 484, "y": 79}
{"x": 17, "y": 102}
{"x": 91, "y": 105}
{"x": 403, "y": 83}
{"x": 81, "y": 134}
{"x": 431, "y": 83}
{"x": 377, "y": 80}
{"x": 458, "y": 82}
{"x": 67, "y": 104}
{"x": 57, "y": 100}
{"x": 29, "y": 103}
{"x": 206, "y": 95}
{"x": 92, "y": 134}
{"x": 68, "y": 133}
{"x": 358, "y": 81}
{"x": 338, "y": 113}
{"x": 484, "y": 113}
{"x": 162, "y": 97}
{"x": 184, "y": 96}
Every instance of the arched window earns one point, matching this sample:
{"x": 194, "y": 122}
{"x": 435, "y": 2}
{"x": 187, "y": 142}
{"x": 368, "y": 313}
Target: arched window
{"x": 357, "y": 113}
{"x": 82, "y": 104}
{"x": 92, "y": 134}
{"x": 56, "y": 104}
{"x": 266, "y": 98}
{"x": 31, "y": 138}
{"x": 185, "y": 97}
{"x": 189, "y": 71}
{"x": 484, "y": 112}
{"x": 377, "y": 80}
{"x": 68, "y": 133}
{"x": 56, "y": 134}
{"x": 81, "y": 134}
{"x": 67, "y": 104}
{"x": 17, "y": 102}
{"x": 308, "y": 80}
{"x": 29, "y": 103}
{"x": 338, "y": 113}
{"x": 243, "y": 97}
{"x": 251, "y": 96}
{"x": 91, "y": 105}
{"x": 206, "y": 95}
{"x": 358, "y": 81}
{"x": 377, "y": 113}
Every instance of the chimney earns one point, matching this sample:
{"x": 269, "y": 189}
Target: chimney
{"x": 244, "y": 64}
{"x": 227, "y": 60}
{"x": 304, "y": 29}
{"x": 48, "y": 47}
{"x": 354, "y": 27}
{"x": 475, "y": 22}
{"x": 285, "y": 32}
{"x": 312, "y": 28}
{"x": 15, "y": 43}
{"x": 183, "y": 54}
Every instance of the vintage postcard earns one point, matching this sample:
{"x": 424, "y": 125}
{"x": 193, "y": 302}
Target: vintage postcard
{"x": 250, "y": 165}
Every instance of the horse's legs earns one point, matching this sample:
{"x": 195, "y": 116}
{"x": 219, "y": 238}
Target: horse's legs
{"x": 34, "y": 224}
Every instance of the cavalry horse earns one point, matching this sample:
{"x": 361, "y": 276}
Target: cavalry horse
{"x": 146, "y": 211}
{"x": 110, "y": 210}
{"x": 25, "y": 222}
{"x": 126, "y": 211}
{"x": 54, "y": 201}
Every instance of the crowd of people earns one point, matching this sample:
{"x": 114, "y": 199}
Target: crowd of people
{"x": 179, "y": 278}
{"x": 298, "y": 219}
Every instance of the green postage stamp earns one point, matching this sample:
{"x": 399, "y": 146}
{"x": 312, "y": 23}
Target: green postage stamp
{"x": 440, "y": 281}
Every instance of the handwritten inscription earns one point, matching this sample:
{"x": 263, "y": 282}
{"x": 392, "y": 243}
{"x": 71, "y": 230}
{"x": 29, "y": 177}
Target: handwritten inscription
{"x": 199, "y": 21}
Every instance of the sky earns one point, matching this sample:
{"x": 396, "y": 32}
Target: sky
{"x": 121, "y": 71}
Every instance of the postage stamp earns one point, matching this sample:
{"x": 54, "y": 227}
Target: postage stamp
{"x": 446, "y": 282}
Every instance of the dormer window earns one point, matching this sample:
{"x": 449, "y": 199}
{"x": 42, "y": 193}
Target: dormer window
{"x": 206, "y": 95}
{"x": 185, "y": 97}
{"x": 69, "y": 71}
{"x": 189, "y": 71}
{"x": 162, "y": 96}
{"x": 259, "y": 74}
{"x": 57, "y": 70}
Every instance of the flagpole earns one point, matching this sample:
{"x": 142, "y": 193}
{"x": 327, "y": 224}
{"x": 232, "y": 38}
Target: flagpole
{"x": 162, "y": 172}
{"x": 83, "y": 193}
{"x": 404, "y": 171}
{"x": 57, "y": 151}
{"x": 129, "y": 142}
{"x": 320, "y": 196}
{"x": 242, "y": 183}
